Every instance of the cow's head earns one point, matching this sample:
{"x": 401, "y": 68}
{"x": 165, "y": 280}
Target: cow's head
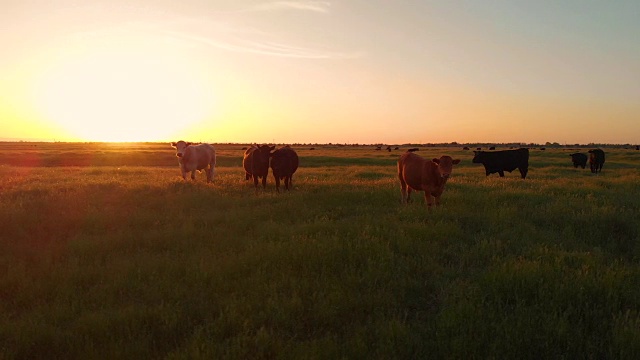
{"x": 445, "y": 165}
{"x": 477, "y": 157}
{"x": 262, "y": 154}
{"x": 180, "y": 146}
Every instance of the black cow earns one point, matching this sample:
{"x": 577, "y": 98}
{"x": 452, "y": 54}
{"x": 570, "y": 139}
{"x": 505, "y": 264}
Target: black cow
{"x": 596, "y": 160}
{"x": 503, "y": 160}
{"x": 465, "y": 148}
{"x": 284, "y": 162}
{"x": 413, "y": 149}
{"x": 492, "y": 148}
{"x": 256, "y": 163}
{"x": 579, "y": 159}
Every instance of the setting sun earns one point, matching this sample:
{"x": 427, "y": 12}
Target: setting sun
{"x": 123, "y": 96}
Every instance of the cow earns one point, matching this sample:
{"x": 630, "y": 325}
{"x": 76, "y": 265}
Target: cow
{"x": 503, "y": 160}
{"x": 492, "y": 148}
{"x": 413, "y": 149}
{"x": 465, "y": 148}
{"x": 195, "y": 157}
{"x": 284, "y": 162}
{"x": 419, "y": 174}
{"x": 596, "y": 160}
{"x": 256, "y": 163}
{"x": 579, "y": 159}
{"x": 388, "y": 148}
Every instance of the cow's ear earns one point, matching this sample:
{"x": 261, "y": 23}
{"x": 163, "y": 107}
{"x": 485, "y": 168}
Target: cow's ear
{"x": 435, "y": 160}
{"x": 272, "y": 147}
{"x": 173, "y": 144}
{"x": 188, "y": 143}
{"x": 456, "y": 161}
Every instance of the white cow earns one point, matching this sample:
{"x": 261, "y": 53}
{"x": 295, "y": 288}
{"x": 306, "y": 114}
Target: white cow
{"x": 195, "y": 157}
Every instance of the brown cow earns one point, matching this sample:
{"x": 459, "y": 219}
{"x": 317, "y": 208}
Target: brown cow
{"x": 256, "y": 163}
{"x": 284, "y": 162}
{"x": 419, "y": 174}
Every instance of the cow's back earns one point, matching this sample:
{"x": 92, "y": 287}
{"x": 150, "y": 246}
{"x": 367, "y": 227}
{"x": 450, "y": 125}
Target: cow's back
{"x": 198, "y": 157}
{"x": 284, "y": 162}
{"x": 410, "y": 168}
{"x": 247, "y": 160}
{"x": 256, "y": 160}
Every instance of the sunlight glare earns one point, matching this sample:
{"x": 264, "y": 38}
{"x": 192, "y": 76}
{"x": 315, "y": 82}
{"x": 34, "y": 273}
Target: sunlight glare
{"x": 124, "y": 97}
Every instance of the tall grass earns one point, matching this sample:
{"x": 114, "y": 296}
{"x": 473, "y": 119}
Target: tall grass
{"x": 129, "y": 261}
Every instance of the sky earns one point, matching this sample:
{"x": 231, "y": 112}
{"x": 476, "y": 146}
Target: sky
{"x": 305, "y": 71}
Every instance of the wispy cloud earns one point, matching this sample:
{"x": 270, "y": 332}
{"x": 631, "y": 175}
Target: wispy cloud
{"x": 263, "y": 47}
{"x": 308, "y": 5}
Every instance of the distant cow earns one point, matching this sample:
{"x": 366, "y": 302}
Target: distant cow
{"x": 419, "y": 174}
{"x": 579, "y": 159}
{"x": 256, "y": 163}
{"x": 388, "y": 148}
{"x": 284, "y": 162}
{"x": 637, "y": 147}
{"x": 503, "y": 160}
{"x": 478, "y": 148}
{"x": 596, "y": 160}
{"x": 492, "y": 148}
{"x": 195, "y": 157}
{"x": 397, "y": 148}
{"x": 465, "y": 148}
{"x": 413, "y": 149}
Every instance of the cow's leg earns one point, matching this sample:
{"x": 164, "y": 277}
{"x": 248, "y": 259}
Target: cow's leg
{"x": 255, "y": 181}
{"x": 437, "y": 200}
{"x": 264, "y": 182}
{"x": 287, "y": 182}
{"x": 428, "y": 199}
{"x": 403, "y": 191}
{"x": 184, "y": 174}
{"x": 277, "y": 183}
{"x": 209, "y": 173}
{"x": 501, "y": 173}
{"x": 523, "y": 172}
{"x": 193, "y": 175}
{"x": 247, "y": 176}
{"x": 408, "y": 200}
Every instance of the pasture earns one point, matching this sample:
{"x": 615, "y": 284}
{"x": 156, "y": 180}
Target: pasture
{"x": 105, "y": 252}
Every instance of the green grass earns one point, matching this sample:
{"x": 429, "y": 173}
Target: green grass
{"x": 126, "y": 260}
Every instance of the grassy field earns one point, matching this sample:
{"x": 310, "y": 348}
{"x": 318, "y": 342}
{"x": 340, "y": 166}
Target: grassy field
{"x": 105, "y": 252}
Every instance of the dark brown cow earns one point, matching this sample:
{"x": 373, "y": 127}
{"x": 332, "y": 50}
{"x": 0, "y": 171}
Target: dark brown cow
{"x": 256, "y": 163}
{"x": 419, "y": 174}
{"x": 596, "y": 160}
{"x": 284, "y": 162}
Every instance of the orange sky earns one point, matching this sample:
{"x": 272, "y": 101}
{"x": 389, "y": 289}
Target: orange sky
{"x": 320, "y": 71}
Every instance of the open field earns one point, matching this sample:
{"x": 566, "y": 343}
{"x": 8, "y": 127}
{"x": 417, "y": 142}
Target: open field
{"x": 105, "y": 252}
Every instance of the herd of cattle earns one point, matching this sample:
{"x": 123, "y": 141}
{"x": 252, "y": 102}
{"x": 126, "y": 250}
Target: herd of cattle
{"x": 414, "y": 172}
{"x": 256, "y": 162}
